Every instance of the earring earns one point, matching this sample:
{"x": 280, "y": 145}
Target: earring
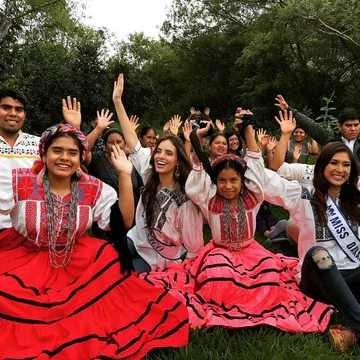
{"x": 78, "y": 173}
{"x": 177, "y": 173}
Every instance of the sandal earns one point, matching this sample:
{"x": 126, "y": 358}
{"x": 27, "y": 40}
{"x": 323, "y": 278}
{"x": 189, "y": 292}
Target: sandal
{"x": 341, "y": 337}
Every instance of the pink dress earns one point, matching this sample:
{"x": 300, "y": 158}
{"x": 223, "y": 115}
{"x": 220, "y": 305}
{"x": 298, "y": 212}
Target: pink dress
{"x": 242, "y": 288}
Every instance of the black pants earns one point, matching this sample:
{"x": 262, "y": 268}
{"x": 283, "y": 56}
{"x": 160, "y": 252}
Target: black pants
{"x": 331, "y": 286}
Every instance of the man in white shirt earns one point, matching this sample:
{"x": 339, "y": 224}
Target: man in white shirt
{"x": 17, "y": 149}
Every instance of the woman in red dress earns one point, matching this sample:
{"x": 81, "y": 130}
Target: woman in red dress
{"x": 64, "y": 294}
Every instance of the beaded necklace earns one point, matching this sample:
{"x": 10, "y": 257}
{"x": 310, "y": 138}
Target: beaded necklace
{"x": 236, "y": 233}
{"x": 60, "y": 253}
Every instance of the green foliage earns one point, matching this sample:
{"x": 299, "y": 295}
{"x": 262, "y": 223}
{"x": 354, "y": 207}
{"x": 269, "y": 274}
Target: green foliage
{"x": 327, "y": 120}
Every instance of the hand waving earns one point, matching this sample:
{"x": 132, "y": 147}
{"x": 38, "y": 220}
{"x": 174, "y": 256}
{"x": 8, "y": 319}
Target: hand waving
{"x": 187, "y": 129}
{"x": 220, "y": 126}
{"x": 281, "y": 103}
{"x": 121, "y": 164}
{"x": 134, "y": 120}
{"x": 103, "y": 119}
{"x": 118, "y": 88}
{"x": 287, "y": 122}
{"x": 71, "y": 111}
{"x": 174, "y": 124}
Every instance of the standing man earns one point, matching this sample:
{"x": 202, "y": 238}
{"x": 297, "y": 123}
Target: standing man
{"x": 17, "y": 149}
{"x": 348, "y": 124}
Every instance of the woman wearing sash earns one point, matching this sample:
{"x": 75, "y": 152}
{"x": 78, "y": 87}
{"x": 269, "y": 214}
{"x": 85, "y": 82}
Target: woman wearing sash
{"x": 168, "y": 224}
{"x": 328, "y": 216}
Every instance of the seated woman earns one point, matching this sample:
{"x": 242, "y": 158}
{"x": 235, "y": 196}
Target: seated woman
{"x": 63, "y": 293}
{"x": 167, "y": 221}
{"x": 218, "y": 145}
{"x": 235, "y": 144}
{"x": 298, "y": 149}
{"x": 99, "y": 163}
{"x": 328, "y": 219}
{"x": 235, "y": 282}
{"x": 148, "y": 136}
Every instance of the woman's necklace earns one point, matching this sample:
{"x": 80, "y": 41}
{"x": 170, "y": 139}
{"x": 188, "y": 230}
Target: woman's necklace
{"x": 61, "y": 219}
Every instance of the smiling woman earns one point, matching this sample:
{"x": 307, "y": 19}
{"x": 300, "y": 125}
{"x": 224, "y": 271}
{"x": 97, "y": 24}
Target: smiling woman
{"x": 68, "y": 295}
{"x": 328, "y": 218}
{"x": 162, "y": 233}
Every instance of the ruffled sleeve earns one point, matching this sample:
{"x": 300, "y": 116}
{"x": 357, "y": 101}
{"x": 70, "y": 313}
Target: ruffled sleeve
{"x": 254, "y": 174}
{"x": 141, "y": 160}
{"x": 200, "y": 189}
{"x": 7, "y": 201}
{"x": 190, "y": 222}
{"x": 102, "y": 209}
{"x": 281, "y": 192}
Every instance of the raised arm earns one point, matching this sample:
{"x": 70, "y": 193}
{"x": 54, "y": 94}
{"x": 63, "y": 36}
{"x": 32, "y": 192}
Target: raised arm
{"x": 287, "y": 125}
{"x": 313, "y": 147}
{"x": 308, "y": 125}
{"x": 126, "y": 126}
{"x": 126, "y": 196}
{"x": 187, "y": 128}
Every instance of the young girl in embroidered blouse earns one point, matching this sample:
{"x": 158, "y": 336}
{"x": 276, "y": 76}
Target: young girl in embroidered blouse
{"x": 167, "y": 221}
{"x": 328, "y": 218}
{"x": 236, "y": 282}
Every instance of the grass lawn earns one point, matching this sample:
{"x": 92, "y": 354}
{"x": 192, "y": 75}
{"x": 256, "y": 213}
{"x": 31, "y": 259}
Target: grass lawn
{"x": 261, "y": 342}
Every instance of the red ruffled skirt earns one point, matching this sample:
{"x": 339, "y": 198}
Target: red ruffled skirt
{"x": 85, "y": 310}
{"x": 247, "y": 288}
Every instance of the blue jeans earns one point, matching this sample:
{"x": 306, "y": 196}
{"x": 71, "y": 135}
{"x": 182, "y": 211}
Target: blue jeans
{"x": 331, "y": 286}
{"x": 140, "y": 265}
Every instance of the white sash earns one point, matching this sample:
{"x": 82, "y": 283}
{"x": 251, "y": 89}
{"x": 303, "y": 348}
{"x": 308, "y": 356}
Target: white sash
{"x": 170, "y": 252}
{"x": 342, "y": 232}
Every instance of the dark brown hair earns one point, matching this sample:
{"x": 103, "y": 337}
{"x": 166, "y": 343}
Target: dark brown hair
{"x": 150, "y": 189}
{"x": 349, "y": 194}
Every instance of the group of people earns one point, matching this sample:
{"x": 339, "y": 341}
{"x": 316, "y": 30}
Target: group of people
{"x": 146, "y": 276}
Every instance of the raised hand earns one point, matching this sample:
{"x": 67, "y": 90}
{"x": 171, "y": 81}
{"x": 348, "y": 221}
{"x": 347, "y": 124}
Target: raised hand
{"x": 192, "y": 111}
{"x": 281, "y": 103}
{"x": 174, "y": 124}
{"x": 296, "y": 154}
{"x": 187, "y": 129}
{"x": 103, "y": 119}
{"x": 121, "y": 164}
{"x": 118, "y": 88}
{"x": 240, "y": 112}
{"x": 287, "y": 122}
{"x": 71, "y": 111}
{"x": 166, "y": 128}
{"x": 134, "y": 120}
{"x": 220, "y": 126}
{"x": 271, "y": 145}
{"x": 201, "y": 132}
{"x": 261, "y": 133}
{"x": 207, "y": 112}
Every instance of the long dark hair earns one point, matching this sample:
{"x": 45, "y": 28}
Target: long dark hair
{"x": 150, "y": 189}
{"x": 349, "y": 194}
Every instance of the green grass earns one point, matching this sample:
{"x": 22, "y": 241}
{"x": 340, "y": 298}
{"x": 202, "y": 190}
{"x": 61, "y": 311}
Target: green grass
{"x": 261, "y": 342}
